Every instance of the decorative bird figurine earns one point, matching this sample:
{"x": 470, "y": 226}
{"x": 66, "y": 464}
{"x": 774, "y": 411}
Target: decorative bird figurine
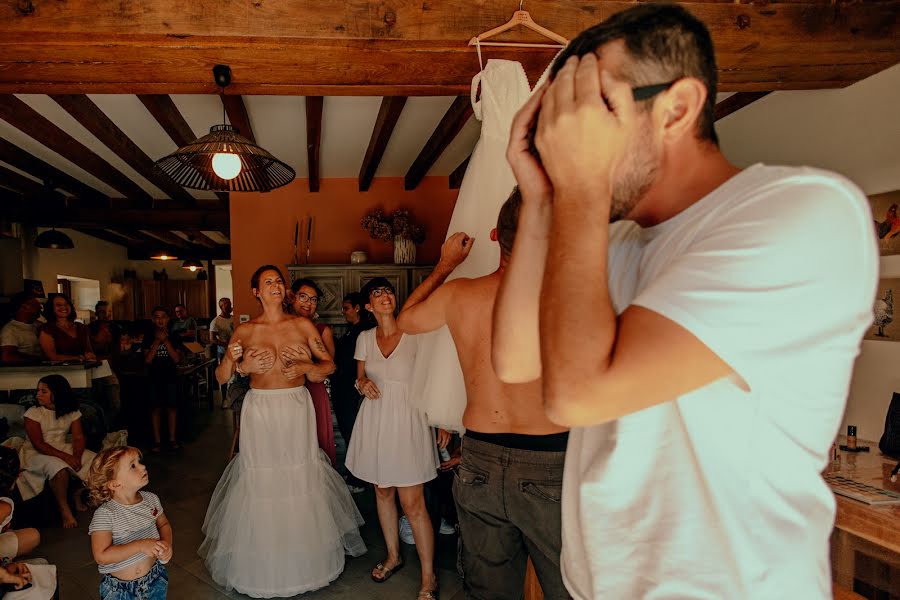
{"x": 884, "y": 312}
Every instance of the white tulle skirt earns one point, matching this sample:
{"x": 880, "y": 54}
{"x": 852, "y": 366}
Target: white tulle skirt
{"x": 281, "y": 518}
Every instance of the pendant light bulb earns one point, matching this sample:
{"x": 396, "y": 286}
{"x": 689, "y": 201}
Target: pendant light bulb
{"x": 226, "y": 165}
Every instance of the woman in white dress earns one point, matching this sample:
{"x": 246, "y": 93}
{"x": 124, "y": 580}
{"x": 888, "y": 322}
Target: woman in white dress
{"x": 392, "y": 445}
{"x": 281, "y": 518}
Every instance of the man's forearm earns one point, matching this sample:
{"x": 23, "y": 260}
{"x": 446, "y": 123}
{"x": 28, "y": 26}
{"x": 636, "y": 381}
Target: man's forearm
{"x": 516, "y": 340}
{"x": 320, "y": 371}
{"x": 434, "y": 280}
{"x": 576, "y": 344}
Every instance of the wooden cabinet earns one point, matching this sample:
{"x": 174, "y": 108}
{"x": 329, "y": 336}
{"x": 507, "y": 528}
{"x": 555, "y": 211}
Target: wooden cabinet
{"x": 193, "y": 293}
{"x": 336, "y": 281}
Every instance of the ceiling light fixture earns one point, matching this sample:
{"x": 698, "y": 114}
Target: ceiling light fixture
{"x": 223, "y": 160}
{"x": 53, "y": 240}
{"x": 192, "y": 265}
{"x": 162, "y": 255}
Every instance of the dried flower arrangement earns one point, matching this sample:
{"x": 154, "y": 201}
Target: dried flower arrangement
{"x": 387, "y": 227}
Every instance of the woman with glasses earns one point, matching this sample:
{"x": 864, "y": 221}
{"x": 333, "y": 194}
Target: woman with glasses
{"x": 304, "y": 300}
{"x": 392, "y": 445}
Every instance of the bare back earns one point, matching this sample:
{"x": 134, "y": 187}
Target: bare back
{"x": 492, "y": 406}
{"x": 291, "y": 332}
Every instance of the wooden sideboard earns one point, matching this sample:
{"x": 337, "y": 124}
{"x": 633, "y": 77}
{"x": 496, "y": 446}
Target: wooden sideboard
{"x": 865, "y": 543}
{"x": 336, "y": 281}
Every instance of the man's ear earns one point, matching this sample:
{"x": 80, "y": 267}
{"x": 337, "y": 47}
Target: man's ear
{"x": 681, "y": 106}
{"x": 494, "y": 234}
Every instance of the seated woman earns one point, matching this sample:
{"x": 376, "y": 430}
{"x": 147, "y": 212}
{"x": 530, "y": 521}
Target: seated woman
{"x": 62, "y": 338}
{"x": 46, "y": 455}
{"x": 17, "y": 542}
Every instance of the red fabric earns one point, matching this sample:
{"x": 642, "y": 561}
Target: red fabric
{"x": 324, "y": 424}
{"x": 65, "y": 343}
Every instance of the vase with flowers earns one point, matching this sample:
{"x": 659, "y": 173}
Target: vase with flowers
{"x": 398, "y": 227}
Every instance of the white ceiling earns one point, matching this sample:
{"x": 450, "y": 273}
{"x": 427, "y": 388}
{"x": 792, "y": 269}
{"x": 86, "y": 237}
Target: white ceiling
{"x": 279, "y": 126}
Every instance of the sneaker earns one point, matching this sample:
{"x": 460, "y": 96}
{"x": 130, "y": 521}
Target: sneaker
{"x": 446, "y": 528}
{"x": 406, "y": 534}
{"x": 355, "y": 489}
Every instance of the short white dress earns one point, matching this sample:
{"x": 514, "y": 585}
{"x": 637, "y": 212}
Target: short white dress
{"x": 392, "y": 443}
{"x": 37, "y": 467}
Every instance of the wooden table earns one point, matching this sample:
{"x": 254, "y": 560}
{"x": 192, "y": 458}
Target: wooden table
{"x": 865, "y": 543}
{"x": 25, "y": 377}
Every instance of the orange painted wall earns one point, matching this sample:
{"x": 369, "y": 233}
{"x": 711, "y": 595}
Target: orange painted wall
{"x": 262, "y": 225}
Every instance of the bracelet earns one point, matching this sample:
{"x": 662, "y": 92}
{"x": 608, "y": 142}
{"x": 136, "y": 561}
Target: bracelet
{"x": 356, "y": 385}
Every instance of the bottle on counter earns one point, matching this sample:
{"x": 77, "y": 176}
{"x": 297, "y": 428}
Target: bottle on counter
{"x": 851, "y": 437}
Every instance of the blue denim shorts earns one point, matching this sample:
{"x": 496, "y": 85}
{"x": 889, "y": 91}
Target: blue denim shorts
{"x": 152, "y": 586}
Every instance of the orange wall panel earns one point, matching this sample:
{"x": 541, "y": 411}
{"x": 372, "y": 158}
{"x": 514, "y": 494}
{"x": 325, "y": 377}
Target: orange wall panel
{"x": 262, "y": 225}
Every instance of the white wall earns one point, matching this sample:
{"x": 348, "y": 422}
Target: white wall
{"x": 854, "y": 131}
{"x": 224, "y": 287}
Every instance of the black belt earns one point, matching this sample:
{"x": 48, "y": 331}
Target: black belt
{"x": 554, "y": 442}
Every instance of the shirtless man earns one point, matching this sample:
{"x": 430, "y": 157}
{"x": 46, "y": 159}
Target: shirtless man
{"x": 509, "y": 482}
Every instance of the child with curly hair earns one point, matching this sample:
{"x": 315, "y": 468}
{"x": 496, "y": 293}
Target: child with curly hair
{"x": 131, "y": 538}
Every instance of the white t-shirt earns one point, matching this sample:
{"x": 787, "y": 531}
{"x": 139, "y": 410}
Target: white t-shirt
{"x": 224, "y": 327}
{"x": 718, "y": 493}
{"x": 24, "y": 336}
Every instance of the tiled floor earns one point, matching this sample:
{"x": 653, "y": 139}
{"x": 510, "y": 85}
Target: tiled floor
{"x": 184, "y": 484}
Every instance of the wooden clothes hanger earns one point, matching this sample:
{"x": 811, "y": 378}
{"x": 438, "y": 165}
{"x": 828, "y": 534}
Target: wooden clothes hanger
{"x": 520, "y": 17}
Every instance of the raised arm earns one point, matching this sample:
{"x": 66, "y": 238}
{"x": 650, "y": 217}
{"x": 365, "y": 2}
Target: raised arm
{"x": 234, "y": 353}
{"x": 426, "y": 308}
{"x": 516, "y": 347}
{"x": 324, "y": 365}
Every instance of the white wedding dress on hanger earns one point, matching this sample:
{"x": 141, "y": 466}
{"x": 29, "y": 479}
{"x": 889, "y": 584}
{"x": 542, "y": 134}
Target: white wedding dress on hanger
{"x": 438, "y": 387}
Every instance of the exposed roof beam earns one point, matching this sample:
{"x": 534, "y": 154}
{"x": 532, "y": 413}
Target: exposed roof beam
{"x": 458, "y": 173}
{"x": 198, "y": 237}
{"x": 451, "y": 124}
{"x": 29, "y": 121}
{"x": 105, "y": 235}
{"x": 170, "y": 239}
{"x": 388, "y": 114}
{"x": 313, "y": 138}
{"x": 130, "y": 219}
{"x": 169, "y": 118}
{"x": 144, "y": 252}
{"x": 238, "y": 116}
{"x": 336, "y": 47}
{"x": 50, "y": 175}
{"x": 102, "y": 127}
{"x": 736, "y": 102}
{"x": 26, "y": 186}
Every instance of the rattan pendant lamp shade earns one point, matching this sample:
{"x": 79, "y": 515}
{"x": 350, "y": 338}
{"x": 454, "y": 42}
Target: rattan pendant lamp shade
{"x": 191, "y": 166}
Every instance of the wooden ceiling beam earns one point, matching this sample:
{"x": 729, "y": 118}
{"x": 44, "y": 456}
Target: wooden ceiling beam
{"x": 29, "y": 121}
{"x": 130, "y": 219}
{"x": 314, "y": 106}
{"x": 169, "y": 118}
{"x": 736, "y": 102}
{"x": 458, "y": 173}
{"x": 51, "y": 176}
{"x": 367, "y": 48}
{"x": 451, "y": 124}
{"x": 238, "y": 115}
{"x": 105, "y": 235}
{"x": 26, "y": 186}
{"x": 388, "y": 115}
{"x": 104, "y": 129}
{"x": 198, "y": 237}
{"x": 170, "y": 239}
{"x": 144, "y": 253}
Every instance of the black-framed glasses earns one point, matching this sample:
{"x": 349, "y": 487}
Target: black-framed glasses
{"x": 645, "y": 92}
{"x": 377, "y": 292}
{"x": 307, "y": 298}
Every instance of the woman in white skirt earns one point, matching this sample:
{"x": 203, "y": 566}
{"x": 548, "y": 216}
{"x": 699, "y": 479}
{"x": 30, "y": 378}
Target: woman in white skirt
{"x": 392, "y": 445}
{"x": 281, "y": 518}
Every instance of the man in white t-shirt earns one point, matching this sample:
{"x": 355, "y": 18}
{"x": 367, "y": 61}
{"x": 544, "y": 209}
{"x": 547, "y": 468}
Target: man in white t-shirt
{"x": 19, "y": 337}
{"x": 701, "y": 346}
